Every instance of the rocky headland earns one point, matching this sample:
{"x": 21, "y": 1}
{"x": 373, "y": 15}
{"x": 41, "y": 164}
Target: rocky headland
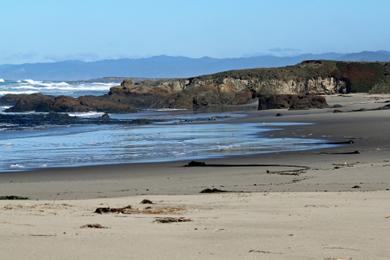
{"x": 294, "y": 87}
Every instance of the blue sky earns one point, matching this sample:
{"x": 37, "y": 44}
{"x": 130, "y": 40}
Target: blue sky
{"x": 49, "y": 30}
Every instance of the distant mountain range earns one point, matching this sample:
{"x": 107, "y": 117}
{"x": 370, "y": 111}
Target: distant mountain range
{"x": 166, "y": 66}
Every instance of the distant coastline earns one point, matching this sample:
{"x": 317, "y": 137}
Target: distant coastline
{"x": 159, "y": 67}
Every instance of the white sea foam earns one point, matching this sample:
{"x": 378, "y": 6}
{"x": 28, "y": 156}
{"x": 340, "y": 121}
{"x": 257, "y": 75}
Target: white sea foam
{"x": 86, "y": 114}
{"x": 26, "y": 113}
{"x": 64, "y": 86}
{"x": 31, "y": 81}
{"x": 7, "y": 125}
{"x": 44, "y": 84}
{"x": 2, "y": 108}
{"x": 170, "y": 109}
{"x": 6, "y": 92}
{"x": 16, "y": 166}
{"x": 54, "y": 88}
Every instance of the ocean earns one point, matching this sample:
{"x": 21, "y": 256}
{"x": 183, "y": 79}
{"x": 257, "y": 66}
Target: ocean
{"x": 170, "y": 135}
{"x": 74, "y": 89}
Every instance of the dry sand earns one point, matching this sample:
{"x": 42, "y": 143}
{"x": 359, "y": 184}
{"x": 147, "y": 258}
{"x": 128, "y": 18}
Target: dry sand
{"x": 224, "y": 226}
{"x": 275, "y": 213}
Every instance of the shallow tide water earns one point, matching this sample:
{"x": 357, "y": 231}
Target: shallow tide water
{"x": 169, "y": 140}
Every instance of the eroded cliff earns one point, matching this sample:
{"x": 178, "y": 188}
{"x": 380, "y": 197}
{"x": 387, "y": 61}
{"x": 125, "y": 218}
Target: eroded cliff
{"x": 226, "y": 89}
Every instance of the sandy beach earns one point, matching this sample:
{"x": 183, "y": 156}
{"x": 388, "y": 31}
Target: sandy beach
{"x": 333, "y": 204}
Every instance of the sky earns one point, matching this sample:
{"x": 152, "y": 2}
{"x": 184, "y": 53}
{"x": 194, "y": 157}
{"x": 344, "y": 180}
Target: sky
{"x": 53, "y": 30}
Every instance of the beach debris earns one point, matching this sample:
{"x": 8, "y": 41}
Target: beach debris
{"x": 212, "y": 190}
{"x": 123, "y": 210}
{"x": 203, "y": 164}
{"x": 296, "y": 172}
{"x": 165, "y": 220}
{"x": 263, "y": 252}
{"x": 344, "y": 165}
{"x": 42, "y": 235}
{"x": 342, "y": 142}
{"x": 146, "y": 201}
{"x": 259, "y": 251}
{"x": 356, "y": 187}
{"x": 98, "y": 226}
{"x": 148, "y": 210}
{"x": 342, "y": 153}
{"x": 279, "y": 114}
{"x": 195, "y": 164}
{"x": 337, "y": 258}
{"x": 13, "y": 197}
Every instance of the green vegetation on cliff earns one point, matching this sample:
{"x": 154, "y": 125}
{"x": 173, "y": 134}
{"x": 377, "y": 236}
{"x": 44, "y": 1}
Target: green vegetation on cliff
{"x": 359, "y": 76}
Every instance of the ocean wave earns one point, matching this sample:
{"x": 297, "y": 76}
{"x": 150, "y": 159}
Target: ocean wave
{"x": 45, "y": 84}
{"x": 24, "y": 113}
{"x": 31, "y": 81}
{"x": 169, "y": 109}
{"x": 86, "y": 114}
{"x": 7, "y": 125}
{"x": 29, "y": 86}
{"x": 6, "y": 92}
{"x": 64, "y": 86}
{"x": 16, "y": 166}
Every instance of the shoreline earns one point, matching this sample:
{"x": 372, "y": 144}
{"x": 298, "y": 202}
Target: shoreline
{"x": 333, "y": 171}
{"x": 271, "y": 129}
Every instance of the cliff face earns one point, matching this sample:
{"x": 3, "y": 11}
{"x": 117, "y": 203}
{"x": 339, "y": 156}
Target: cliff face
{"x": 235, "y": 88}
{"x": 319, "y": 85}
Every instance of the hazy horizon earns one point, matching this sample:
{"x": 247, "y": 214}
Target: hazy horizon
{"x": 47, "y": 31}
{"x": 255, "y": 55}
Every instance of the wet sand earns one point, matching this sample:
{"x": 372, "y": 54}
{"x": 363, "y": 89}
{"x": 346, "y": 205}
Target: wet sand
{"x": 328, "y": 169}
{"x": 334, "y": 207}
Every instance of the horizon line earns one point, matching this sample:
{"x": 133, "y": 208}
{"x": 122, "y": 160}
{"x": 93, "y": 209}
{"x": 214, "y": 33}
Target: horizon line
{"x": 192, "y": 57}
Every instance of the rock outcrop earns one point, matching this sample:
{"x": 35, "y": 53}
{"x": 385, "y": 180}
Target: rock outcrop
{"x": 294, "y": 102}
{"x": 44, "y": 103}
{"x": 231, "y": 89}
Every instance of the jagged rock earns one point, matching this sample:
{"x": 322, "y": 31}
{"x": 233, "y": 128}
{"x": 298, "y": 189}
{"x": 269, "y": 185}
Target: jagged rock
{"x": 33, "y": 102}
{"x": 105, "y": 117}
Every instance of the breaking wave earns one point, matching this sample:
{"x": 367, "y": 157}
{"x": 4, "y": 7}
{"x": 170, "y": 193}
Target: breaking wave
{"x": 86, "y": 114}
{"x": 2, "y": 93}
{"x": 29, "y": 86}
